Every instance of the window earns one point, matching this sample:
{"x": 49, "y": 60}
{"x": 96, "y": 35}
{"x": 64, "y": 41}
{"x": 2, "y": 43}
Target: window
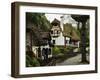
{"x": 57, "y": 32}
{"x": 49, "y": 51}
{"x": 55, "y": 24}
{"x": 53, "y": 41}
{"x": 70, "y": 42}
{"x": 66, "y": 42}
{"x": 51, "y": 32}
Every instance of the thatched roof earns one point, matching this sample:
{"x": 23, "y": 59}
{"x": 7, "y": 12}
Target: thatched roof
{"x": 38, "y": 36}
{"x": 56, "y": 27}
{"x": 71, "y": 32}
{"x": 45, "y": 35}
{"x": 67, "y": 29}
{"x": 75, "y": 36}
{"x": 55, "y": 21}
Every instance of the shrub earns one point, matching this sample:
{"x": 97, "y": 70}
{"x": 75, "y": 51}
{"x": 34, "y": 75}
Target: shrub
{"x": 56, "y": 50}
{"x": 67, "y": 49}
{"x": 62, "y": 50}
{"x": 31, "y": 62}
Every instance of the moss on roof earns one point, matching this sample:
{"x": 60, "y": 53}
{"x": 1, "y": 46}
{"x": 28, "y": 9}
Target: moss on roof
{"x": 70, "y": 31}
{"x": 38, "y": 36}
{"x": 67, "y": 29}
{"x": 75, "y": 35}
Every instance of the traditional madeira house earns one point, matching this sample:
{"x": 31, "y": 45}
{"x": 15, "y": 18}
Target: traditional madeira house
{"x": 64, "y": 34}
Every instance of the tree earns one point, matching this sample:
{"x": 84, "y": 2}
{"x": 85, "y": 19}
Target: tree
{"x": 83, "y": 19}
{"x": 39, "y": 20}
{"x": 36, "y": 23}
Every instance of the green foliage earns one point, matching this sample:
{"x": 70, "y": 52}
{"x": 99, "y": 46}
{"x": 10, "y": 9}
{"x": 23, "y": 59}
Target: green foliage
{"x": 66, "y": 49}
{"x": 56, "y": 50}
{"x": 39, "y": 20}
{"x": 62, "y": 50}
{"x": 31, "y": 62}
{"x": 37, "y": 23}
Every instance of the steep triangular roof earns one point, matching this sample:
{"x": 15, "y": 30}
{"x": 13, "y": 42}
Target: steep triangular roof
{"x": 55, "y": 21}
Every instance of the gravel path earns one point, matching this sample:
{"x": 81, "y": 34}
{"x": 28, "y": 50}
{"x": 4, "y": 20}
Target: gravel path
{"x": 73, "y": 60}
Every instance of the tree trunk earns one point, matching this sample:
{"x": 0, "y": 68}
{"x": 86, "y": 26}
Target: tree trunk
{"x": 31, "y": 42}
{"x": 83, "y": 42}
{"x": 78, "y": 26}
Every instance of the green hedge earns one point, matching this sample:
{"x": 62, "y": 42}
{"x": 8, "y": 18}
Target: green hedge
{"x": 56, "y": 50}
{"x": 61, "y": 50}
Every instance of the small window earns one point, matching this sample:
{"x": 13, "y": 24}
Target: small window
{"x": 53, "y": 41}
{"x": 55, "y": 24}
{"x": 51, "y": 32}
{"x": 49, "y": 51}
{"x": 70, "y": 42}
{"x": 66, "y": 41}
{"x": 57, "y": 32}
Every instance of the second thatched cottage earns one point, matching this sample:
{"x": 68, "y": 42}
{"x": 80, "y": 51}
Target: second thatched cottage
{"x": 64, "y": 34}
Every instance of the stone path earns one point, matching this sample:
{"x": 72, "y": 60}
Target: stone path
{"x": 73, "y": 60}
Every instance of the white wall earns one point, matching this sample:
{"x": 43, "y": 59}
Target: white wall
{"x": 5, "y": 40}
{"x": 59, "y": 40}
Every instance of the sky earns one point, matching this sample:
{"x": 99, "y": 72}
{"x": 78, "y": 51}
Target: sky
{"x": 67, "y": 18}
{"x": 51, "y": 17}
